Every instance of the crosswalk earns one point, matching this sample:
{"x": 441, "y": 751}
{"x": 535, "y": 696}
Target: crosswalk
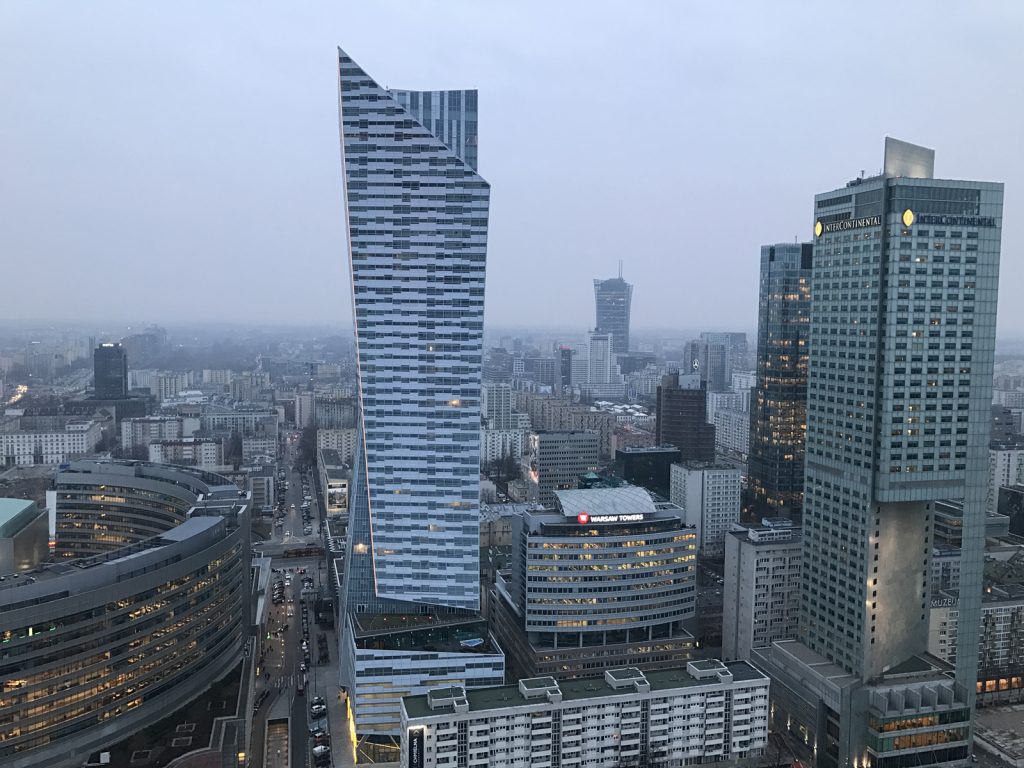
{"x": 283, "y": 681}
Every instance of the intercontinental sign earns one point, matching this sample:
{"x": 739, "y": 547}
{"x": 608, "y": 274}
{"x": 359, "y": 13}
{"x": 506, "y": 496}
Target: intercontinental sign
{"x": 956, "y": 221}
{"x": 841, "y": 226}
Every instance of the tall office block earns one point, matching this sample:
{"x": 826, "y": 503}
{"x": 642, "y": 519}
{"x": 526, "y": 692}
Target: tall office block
{"x": 110, "y": 371}
{"x": 682, "y": 417}
{"x": 613, "y": 298}
{"x": 417, "y": 224}
{"x": 762, "y": 586}
{"x": 496, "y": 405}
{"x": 903, "y": 313}
{"x": 558, "y": 459}
{"x": 778, "y": 408}
{"x": 417, "y": 232}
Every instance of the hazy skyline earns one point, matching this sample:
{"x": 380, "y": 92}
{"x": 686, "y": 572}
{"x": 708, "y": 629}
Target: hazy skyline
{"x": 180, "y": 163}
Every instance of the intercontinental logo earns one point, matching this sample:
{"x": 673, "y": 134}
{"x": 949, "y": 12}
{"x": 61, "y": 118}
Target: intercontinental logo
{"x": 841, "y": 226}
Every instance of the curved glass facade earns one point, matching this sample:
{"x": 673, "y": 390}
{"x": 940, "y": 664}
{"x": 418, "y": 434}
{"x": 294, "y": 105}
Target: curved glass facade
{"x": 94, "y": 648}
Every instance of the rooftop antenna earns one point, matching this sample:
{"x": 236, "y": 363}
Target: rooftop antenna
{"x": 620, "y": 269}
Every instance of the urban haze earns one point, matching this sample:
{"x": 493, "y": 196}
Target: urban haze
{"x": 511, "y": 384}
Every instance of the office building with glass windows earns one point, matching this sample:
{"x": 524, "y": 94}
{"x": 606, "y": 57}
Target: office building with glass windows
{"x": 148, "y": 605}
{"x": 605, "y": 577}
{"x": 110, "y": 371}
{"x": 613, "y": 299}
{"x": 778, "y": 405}
{"x": 903, "y": 313}
{"x": 417, "y": 233}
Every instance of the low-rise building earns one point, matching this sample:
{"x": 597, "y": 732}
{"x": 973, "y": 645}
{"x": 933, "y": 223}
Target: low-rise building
{"x": 388, "y": 657}
{"x": 203, "y": 452}
{"x": 48, "y": 439}
{"x": 704, "y": 712}
{"x": 341, "y": 440}
{"x": 1001, "y": 644}
{"x": 335, "y": 474}
{"x": 140, "y": 432}
{"x": 498, "y": 444}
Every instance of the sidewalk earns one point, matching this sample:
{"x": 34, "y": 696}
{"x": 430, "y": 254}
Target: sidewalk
{"x": 325, "y": 683}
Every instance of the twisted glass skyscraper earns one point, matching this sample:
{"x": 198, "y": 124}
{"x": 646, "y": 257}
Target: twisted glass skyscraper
{"x": 417, "y": 230}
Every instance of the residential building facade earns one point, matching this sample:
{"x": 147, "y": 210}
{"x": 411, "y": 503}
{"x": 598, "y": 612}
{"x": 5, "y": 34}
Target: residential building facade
{"x": 705, "y": 712}
{"x": 709, "y": 495}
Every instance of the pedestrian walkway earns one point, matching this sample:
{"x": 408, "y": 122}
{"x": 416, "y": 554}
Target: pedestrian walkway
{"x": 326, "y": 683}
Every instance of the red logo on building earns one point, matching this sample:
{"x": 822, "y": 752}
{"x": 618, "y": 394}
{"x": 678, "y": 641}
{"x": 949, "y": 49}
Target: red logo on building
{"x": 583, "y": 517}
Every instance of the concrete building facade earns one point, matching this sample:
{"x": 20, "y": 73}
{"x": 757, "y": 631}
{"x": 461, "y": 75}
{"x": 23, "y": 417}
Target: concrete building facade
{"x": 705, "y": 712}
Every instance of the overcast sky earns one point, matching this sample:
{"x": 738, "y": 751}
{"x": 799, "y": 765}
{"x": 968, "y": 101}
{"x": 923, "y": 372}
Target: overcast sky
{"x": 179, "y": 161}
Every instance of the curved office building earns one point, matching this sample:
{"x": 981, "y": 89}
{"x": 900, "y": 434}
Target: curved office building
{"x": 146, "y": 605}
{"x": 605, "y": 579}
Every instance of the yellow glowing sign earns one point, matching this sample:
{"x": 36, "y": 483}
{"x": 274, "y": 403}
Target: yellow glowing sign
{"x": 908, "y": 217}
{"x": 817, "y": 229}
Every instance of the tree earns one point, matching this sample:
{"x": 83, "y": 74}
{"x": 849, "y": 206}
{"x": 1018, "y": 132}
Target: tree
{"x": 307, "y": 448}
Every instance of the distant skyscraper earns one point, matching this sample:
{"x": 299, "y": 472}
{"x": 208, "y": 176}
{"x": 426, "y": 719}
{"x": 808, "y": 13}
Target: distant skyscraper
{"x": 682, "y": 417}
{"x": 899, "y": 387}
{"x": 417, "y": 232}
{"x": 110, "y": 369}
{"x": 778, "y": 408}
{"x": 418, "y": 294}
{"x": 612, "y": 298}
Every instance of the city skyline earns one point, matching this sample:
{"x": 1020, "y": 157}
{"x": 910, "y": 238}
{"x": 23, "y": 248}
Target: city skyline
{"x": 236, "y": 116}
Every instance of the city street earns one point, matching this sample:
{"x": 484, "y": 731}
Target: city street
{"x": 281, "y": 672}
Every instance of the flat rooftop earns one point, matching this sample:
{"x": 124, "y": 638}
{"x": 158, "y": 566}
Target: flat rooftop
{"x": 330, "y": 457}
{"x": 501, "y": 697}
{"x": 1003, "y": 728}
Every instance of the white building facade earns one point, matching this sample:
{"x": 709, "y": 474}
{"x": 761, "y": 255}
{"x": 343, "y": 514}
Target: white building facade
{"x": 499, "y": 443}
{"x": 341, "y": 440}
{"x": 54, "y": 445}
{"x": 1005, "y": 467}
{"x": 705, "y": 712}
{"x": 709, "y": 495}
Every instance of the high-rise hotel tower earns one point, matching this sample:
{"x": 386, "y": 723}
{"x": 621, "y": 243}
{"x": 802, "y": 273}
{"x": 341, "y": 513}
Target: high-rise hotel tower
{"x": 903, "y": 314}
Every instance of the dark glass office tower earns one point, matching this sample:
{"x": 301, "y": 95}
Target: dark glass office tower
{"x": 899, "y": 387}
{"x": 612, "y": 298}
{"x": 110, "y": 369}
{"x": 778, "y": 406}
{"x": 682, "y": 417}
